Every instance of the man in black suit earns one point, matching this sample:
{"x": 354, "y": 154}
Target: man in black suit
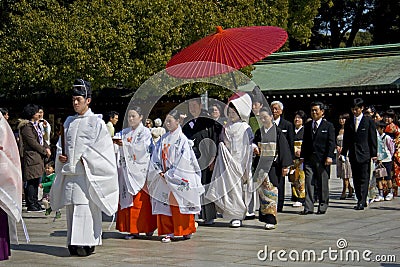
{"x": 288, "y": 132}
{"x": 317, "y": 152}
{"x": 360, "y": 141}
{"x": 204, "y": 132}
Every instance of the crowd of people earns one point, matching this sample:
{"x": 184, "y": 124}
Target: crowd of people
{"x": 226, "y": 162}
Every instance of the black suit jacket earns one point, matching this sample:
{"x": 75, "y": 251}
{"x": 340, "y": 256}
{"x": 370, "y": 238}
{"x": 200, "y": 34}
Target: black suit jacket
{"x": 319, "y": 145}
{"x": 203, "y": 128}
{"x": 361, "y": 145}
{"x": 288, "y": 132}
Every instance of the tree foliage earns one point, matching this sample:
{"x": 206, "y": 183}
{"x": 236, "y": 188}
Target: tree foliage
{"x": 46, "y": 44}
{"x": 339, "y": 21}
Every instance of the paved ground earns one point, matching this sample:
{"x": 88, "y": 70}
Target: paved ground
{"x": 336, "y": 238}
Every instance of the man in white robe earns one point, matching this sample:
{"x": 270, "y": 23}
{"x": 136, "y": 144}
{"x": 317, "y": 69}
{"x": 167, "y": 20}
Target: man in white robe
{"x": 87, "y": 180}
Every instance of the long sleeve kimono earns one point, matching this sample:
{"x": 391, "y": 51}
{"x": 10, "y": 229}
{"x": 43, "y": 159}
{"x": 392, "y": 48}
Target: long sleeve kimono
{"x": 176, "y": 197}
{"x": 232, "y": 170}
{"x": 88, "y": 178}
{"x": 135, "y": 213}
{"x": 10, "y": 187}
{"x": 274, "y": 154}
{"x": 175, "y": 157}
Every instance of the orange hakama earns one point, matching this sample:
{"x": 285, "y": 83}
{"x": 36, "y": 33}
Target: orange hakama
{"x": 179, "y": 224}
{"x": 137, "y": 218}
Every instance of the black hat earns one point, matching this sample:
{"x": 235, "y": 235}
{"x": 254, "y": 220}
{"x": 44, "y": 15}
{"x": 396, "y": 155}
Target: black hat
{"x": 82, "y": 88}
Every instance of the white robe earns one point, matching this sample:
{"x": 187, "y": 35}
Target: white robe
{"x": 182, "y": 175}
{"x": 231, "y": 171}
{"x": 88, "y": 178}
{"x": 10, "y": 177}
{"x": 134, "y": 158}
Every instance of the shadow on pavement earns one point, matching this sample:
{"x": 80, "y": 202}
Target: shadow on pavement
{"x": 49, "y": 250}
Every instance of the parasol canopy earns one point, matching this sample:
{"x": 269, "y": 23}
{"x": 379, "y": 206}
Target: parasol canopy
{"x": 226, "y": 50}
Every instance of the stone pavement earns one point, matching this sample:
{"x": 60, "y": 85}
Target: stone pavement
{"x": 335, "y": 239}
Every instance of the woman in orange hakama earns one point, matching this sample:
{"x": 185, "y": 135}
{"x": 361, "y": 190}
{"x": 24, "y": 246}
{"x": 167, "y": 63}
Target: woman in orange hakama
{"x": 135, "y": 213}
{"x": 174, "y": 182}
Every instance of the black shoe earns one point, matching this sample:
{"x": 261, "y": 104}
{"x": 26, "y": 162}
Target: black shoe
{"x": 84, "y": 251}
{"x": 38, "y": 206}
{"x": 306, "y": 212}
{"x": 72, "y": 250}
{"x": 34, "y": 209}
{"x": 359, "y": 207}
{"x": 91, "y": 249}
{"x": 250, "y": 217}
{"x": 321, "y": 212}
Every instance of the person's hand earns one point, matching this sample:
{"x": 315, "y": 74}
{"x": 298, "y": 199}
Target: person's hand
{"x": 48, "y": 152}
{"x": 40, "y": 185}
{"x": 62, "y": 158}
{"x": 211, "y": 166}
{"x": 118, "y": 141}
{"x": 256, "y": 151}
{"x": 339, "y": 149}
{"x": 328, "y": 161}
{"x": 297, "y": 153}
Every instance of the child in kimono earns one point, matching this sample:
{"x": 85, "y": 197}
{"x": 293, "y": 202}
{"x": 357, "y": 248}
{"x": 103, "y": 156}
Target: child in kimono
{"x": 175, "y": 182}
{"x": 273, "y": 158}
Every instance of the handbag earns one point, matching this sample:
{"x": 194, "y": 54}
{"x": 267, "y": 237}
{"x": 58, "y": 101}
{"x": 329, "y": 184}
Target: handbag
{"x": 380, "y": 171}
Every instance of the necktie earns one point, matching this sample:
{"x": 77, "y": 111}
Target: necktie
{"x": 356, "y": 123}
{"x": 315, "y": 127}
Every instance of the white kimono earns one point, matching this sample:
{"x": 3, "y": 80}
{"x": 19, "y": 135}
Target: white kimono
{"x": 88, "y": 182}
{"x": 134, "y": 158}
{"x": 231, "y": 171}
{"x": 175, "y": 157}
{"x": 10, "y": 178}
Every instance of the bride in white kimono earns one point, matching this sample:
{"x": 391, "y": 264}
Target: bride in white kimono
{"x": 174, "y": 182}
{"x": 232, "y": 169}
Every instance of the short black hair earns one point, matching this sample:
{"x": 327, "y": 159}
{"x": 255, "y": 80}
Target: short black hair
{"x": 111, "y": 114}
{"x": 3, "y": 111}
{"x": 301, "y": 114}
{"x": 50, "y": 163}
{"x": 29, "y": 111}
{"x": 321, "y": 105}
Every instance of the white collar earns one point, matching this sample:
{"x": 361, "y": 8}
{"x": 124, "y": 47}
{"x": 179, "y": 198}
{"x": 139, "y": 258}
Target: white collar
{"x": 277, "y": 121}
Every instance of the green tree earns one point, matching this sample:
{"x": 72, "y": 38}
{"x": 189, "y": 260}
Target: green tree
{"x": 46, "y": 44}
{"x": 339, "y": 21}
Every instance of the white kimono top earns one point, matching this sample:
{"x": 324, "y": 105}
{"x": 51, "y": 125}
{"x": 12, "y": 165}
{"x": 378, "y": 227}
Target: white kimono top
{"x": 10, "y": 178}
{"x": 134, "y": 158}
{"x": 175, "y": 157}
{"x": 232, "y": 170}
{"x": 90, "y": 152}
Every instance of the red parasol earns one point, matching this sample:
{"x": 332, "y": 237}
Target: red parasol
{"x": 226, "y": 50}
